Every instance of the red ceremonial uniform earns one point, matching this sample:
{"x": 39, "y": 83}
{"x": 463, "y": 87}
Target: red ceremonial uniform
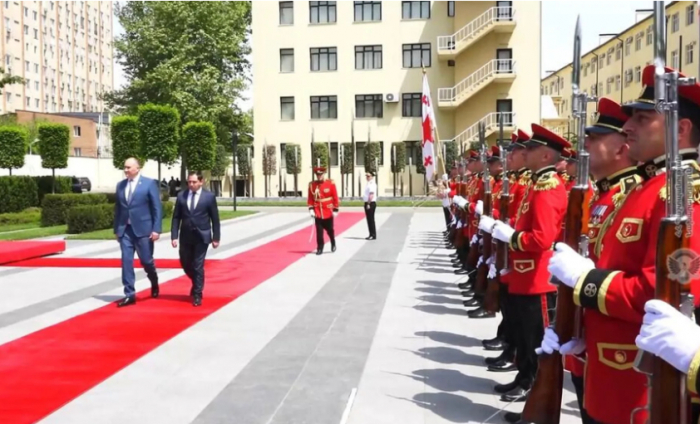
{"x": 614, "y": 293}
{"x": 323, "y": 198}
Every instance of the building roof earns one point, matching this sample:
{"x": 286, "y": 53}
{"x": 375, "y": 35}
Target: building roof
{"x": 93, "y": 116}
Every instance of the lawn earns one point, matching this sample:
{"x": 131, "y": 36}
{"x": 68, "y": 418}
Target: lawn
{"x": 349, "y": 203}
{"x": 33, "y": 232}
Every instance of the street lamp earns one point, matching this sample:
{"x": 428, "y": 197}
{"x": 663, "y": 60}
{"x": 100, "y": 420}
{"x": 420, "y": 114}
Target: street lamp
{"x": 234, "y": 140}
{"x": 622, "y": 62}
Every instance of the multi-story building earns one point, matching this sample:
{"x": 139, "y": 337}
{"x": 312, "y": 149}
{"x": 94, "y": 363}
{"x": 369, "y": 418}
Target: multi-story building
{"x": 63, "y": 49}
{"x": 328, "y": 69}
{"x": 614, "y": 68}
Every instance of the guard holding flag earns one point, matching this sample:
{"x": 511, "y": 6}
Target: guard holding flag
{"x": 323, "y": 207}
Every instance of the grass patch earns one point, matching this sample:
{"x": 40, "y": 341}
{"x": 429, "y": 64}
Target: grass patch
{"x": 35, "y": 232}
{"x": 349, "y": 203}
{"x": 108, "y": 234}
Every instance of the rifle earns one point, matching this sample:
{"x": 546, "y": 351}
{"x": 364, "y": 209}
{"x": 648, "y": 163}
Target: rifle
{"x": 483, "y": 271}
{"x": 544, "y": 403}
{"x": 668, "y": 399}
{"x": 491, "y": 303}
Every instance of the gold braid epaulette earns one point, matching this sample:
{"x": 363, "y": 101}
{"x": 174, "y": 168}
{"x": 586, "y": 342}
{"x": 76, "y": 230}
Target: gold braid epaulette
{"x": 695, "y": 195}
{"x": 546, "y": 182}
{"x": 626, "y": 186}
{"x": 526, "y": 177}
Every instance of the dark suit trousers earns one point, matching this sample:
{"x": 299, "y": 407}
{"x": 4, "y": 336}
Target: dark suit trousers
{"x": 321, "y": 225}
{"x": 531, "y": 314}
{"x": 370, "y": 208}
{"x": 192, "y": 256}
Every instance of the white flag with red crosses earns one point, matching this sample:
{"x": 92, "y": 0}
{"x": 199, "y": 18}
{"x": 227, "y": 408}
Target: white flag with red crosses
{"x": 429, "y": 159}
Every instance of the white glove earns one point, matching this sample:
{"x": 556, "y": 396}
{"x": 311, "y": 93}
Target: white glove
{"x": 460, "y": 225}
{"x": 669, "y": 334}
{"x": 481, "y": 261}
{"x": 502, "y": 232}
{"x": 335, "y": 214}
{"x": 491, "y": 260}
{"x": 567, "y": 265}
{"x": 550, "y": 343}
{"x": 486, "y": 224}
{"x": 573, "y": 347}
{"x": 492, "y": 271}
{"x": 505, "y": 271}
{"x": 479, "y": 209}
{"x": 474, "y": 239}
{"x": 312, "y": 213}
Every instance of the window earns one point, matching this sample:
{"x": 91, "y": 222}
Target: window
{"x": 689, "y": 53}
{"x": 368, "y": 57}
{"x": 638, "y": 41}
{"x": 416, "y": 55}
{"x": 360, "y": 153}
{"x": 451, "y": 9}
{"x": 415, "y": 10}
{"x": 286, "y": 13}
{"x": 618, "y": 52}
{"x": 287, "y": 108}
{"x": 77, "y": 151}
{"x": 324, "y": 59}
{"x": 322, "y": 12}
{"x": 411, "y": 105}
{"x": 594, "y": 63}
{"x": 414, "y": 153}
{"x": 600, "y": 88}
{"x": 602, "y": 61}
{"x": 608, "y": 85}
{"x": 610, "y": 52}
{"x": 368, "y": 11}
{"x": 324, "y": 107}
{"x": 628, "y": 46}
{"x": 333, "y": 152}
{"x": 368, "y": 106}
{"x": 504, "y": 65}
{"x": 629, "y": 76}
{"x": 690, "y": 14}
{"x": 618, "y": 80}
{"x": 650, "y": 36}
{"x": 283, "y": 155}
{"x": 286, "y": 60}
{"x": 638, "y": 74}
{"x": 675, "y": 22}
{"x": 505, "y": 107}
{"x": 76, "y": 131}
{"x": 674, "y": 59}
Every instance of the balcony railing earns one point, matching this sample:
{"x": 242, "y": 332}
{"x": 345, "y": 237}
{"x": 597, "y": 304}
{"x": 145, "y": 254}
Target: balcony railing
{"x": 490, "y": 121}
{"x": 448, "y": 43}
{"x": 481, "y": 75}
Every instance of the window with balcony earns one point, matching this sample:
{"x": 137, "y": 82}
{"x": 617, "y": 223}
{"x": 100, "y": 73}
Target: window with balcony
{"x": 324, "y": 107}
{"x": 286, "y": 13}
{"x": 415, "y": 10}
{"x": 505, "y": 107}
{"x": 368, "y": 106}
{"x": 322, "y": 12}
{"x": 504, "y": 63}
{"x": 286, "y": 60}
{"x": 287, "y": 108}
{"x": 416, "y": 55}
{"x": 324, "y": 59}
{"x": 368, "y": 11}
{"x": 368, "y": 57}
{"x": 411, "y": 105}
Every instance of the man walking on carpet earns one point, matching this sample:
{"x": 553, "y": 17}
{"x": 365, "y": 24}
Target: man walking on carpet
{"x": 323, "y": 207}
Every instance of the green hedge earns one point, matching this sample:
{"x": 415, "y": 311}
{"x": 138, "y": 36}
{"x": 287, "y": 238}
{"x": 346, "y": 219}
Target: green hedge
{"x": 319, "y": 155}
{"x": 86, "y": 218}
{"x": 54, "y": 142}
{"x": 399, "y": 151}
{"x": 168, "y": 209}
{"x": 347, "y": 163}
{"x": 373, "y": 158}
{"x": 293, "y": 164}
{"x": 64, "y": 185}
{"x": 13, "y": 144}
{"x": 125, "y": 140}
{"x": 451, "y": 155}
{"x": 27, "y": 216}
{"x": 17, "y": 194}
{"x": 55, "y": 207}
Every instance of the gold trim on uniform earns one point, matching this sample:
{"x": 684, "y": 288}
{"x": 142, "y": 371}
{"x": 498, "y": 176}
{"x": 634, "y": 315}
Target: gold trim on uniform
{"x": 630, "y": 230}
{"x": 693, "y": 374}
{"x": 523, "y": 265}
{"x": 622, "y": 360}
{"x": 546, "y": 182}
{"x": 591, "y": 289}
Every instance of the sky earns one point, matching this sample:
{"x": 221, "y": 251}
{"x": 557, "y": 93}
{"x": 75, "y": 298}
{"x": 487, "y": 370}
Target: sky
{"x": 558, "y": 23}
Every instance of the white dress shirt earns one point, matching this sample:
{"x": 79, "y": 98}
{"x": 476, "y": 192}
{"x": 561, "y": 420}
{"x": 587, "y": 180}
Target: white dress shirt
{"x": 371, "y": 188}
{"x": 198, "y": 194}
{"x": 131, "y": 185}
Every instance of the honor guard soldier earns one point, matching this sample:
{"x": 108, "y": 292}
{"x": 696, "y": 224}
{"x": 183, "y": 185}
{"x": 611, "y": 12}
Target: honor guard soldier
{"x": 570, "y": 156}
{"x": 537, "y": 226}
{"x": 614, "y": 290}
{"x": 323, "y": 207}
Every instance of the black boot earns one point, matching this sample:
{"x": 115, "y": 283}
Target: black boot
{"x": 319, "y": 250}
{"x": 332, "y": 245}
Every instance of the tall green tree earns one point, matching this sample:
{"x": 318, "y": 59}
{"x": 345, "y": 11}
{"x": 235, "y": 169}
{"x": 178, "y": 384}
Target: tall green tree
{"x": 125, "y": 140}
{"x": 13, "y": 143}
{"x": 9, "y": 79}
{"x": 222, "y": 160}
{"x": 199, "y": 145}
{"x": 159, "y": 132}
{"x": 54, "y": 142}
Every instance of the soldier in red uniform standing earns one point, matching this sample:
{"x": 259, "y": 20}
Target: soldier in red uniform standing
{"x": 571, "y": 158}
{"x": 614, "y": 290}
{"x": 537, "y": 226}
{"x": 323, "y": 207}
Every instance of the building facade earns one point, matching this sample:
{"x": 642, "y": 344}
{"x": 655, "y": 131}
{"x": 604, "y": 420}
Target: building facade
{"x": 614, "y": 68}
{"x": 328, "y": 70}
{"x": 63, "y": 49}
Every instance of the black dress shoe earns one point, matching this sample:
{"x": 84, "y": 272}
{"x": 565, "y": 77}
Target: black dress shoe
{"x": 499, "y": 345}
{"x": 480, "y": 313}
{"x": 319, "y": 251}
{"x": 495, "y": 339}
{"x": 494, "y": 359}
{"x": 471, "y": 302}
{"x": 516, "y": 395}
{"x": 461, "y": 271}
{"x": 503, "y": 366}
{"x": 131, "y": 300}
{"x": 505, "y": 388}
{"x": 333, "y": 247}
{"x": 464, "y": 286}
{"x": 468, "y": 293}
{"x": 197, "y": 301}
{"x": 155, "y": 291}
{"x": 512, "y": 417}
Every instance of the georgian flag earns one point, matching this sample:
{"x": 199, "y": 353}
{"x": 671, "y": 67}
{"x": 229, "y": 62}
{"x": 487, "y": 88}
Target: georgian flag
{"x": 428, "y": 133}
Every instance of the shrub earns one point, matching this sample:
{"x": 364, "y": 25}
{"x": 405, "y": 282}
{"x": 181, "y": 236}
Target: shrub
{"x": 373, "y": 157}
{"x": 168, "y": 209}
{"x": 17, "y": 193}
{"x": 55, "y": 207}
{"x": 159, "y": 133}
{"x": 398, "y": 151}
{"x": 86, "y": 218}
{"x": 27, "y": 216}
{"x": 319, "y": 155}
{"x": 125, "y": 140}
{"x": 451, "y": 155}
{"x": 347, "y": 163}
{"x": 54, "y": 142}
{"x": 13, "y": 143}
{"x": 199, "y": 145}
{"x": 293, "y": 164}
{"x": 44, "y": 184}
{"x": 111, "y": 198}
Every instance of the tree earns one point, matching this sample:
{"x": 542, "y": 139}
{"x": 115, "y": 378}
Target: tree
{"x": 191, "y": 55}
{"x": 13, "y": 144}
{"x": 269, "y": 164}
{"x": 292, "y": 153}
{"x": 399, "y": 151}
{"x": 319, "y": 154}
{"x": 451, "y": 155}
{"x": 54, "y": 142}
{"x": 125, "y": 140}
{"x": 8, "y": 79}
{"x": 221, "y": 162}
{"x": 373, "y": 153}
{"x": 159, "y": 132}
{"x": 347, "y": 163}
{"x": 199, "y": 145}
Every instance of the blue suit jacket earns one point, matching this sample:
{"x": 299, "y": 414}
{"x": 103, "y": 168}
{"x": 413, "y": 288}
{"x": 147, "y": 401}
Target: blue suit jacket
{"x": 144, "y": 211}
{"x": 204, "y": 219}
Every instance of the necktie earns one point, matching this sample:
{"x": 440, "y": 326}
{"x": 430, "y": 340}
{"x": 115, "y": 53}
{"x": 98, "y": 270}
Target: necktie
{"x": 194, "y": 193}
{"x": 128, "y": 192}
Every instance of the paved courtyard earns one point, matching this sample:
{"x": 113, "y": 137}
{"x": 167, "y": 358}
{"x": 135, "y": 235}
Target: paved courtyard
{"x": 374, "y": 333}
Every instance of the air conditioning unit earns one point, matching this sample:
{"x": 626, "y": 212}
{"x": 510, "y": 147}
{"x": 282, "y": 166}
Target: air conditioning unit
{"x": 391, "y": 97}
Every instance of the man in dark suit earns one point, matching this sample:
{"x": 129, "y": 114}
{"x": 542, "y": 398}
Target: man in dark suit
{"x": 195, "y": 218}
{"x": 137, "y": 225}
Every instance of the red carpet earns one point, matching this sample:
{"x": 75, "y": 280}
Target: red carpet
{"x": 45, "y": 370}
{"x": 13, "y": 251}
{"x": 97, "y": 263}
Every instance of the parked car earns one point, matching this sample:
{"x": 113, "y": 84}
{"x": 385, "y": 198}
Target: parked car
{"x": 81, "y": 184}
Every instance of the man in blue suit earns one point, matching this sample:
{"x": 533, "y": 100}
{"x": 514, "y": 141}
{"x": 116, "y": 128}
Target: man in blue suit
{"x": 196, "y": 221}
{"x": 137, "y": 225}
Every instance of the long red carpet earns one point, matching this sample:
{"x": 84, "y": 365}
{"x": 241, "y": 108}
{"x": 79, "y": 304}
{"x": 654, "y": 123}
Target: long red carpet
{"x": 45, "y": 370}
{"x": 12, "y": 251}
{"x": 97, "y": 263}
